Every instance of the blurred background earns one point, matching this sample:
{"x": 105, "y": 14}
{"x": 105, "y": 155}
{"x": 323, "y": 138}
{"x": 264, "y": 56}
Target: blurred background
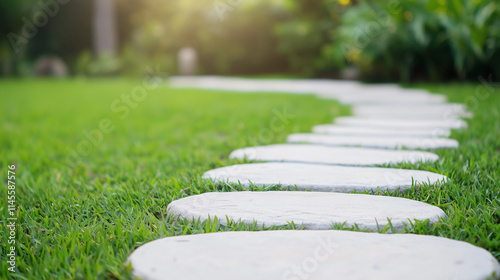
{"x": 377, "y": 40}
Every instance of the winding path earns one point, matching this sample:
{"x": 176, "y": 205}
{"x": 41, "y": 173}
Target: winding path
{"x": 334, "y": 158}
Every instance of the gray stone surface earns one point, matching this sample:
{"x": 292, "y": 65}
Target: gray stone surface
{"x": 312, "y": 210}
{"x": 401, "y": 124}
{"x": 373, "y": 142}
{"x": 312, "y": 255}
{"x": 330, "y": 155}
{"x": 343, "y": 130}
{"x": 323, "y": 178}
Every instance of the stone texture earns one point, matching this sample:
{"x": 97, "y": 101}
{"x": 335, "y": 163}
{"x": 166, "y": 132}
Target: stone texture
{"x": 402, "y": 124}
{"x": 312, "y": 210}
{"x": 312, "y": 255}
{"x": 342, "y": 130}
{"x": 330, "y": 155}
{"x": 323, "y": 178}
{"x": 373, "y": 142}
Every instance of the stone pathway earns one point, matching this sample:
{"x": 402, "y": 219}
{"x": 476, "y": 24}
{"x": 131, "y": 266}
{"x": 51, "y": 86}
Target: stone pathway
{"x": 419, "y": 111}
{"x": 384, "y": 98}
{"x": 401, "y": 124}
{"x": 304, "y": 153}
{"x": 342, "y": 130}
{"x": 322, "y": 178}
{"x": 312, "y": 210}
{"x": 384, "y": 116}
{"x": 373, "y": 142}
{"x": 312, "y": 255}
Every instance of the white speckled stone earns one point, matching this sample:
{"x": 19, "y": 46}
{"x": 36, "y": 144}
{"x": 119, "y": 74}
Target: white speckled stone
{"x": 312, "y": 210}
{"x": 401, "y": 124}
{"x": 373, "y": 142}
{"x": 323, "y": 178}
{"x": 312, "y": 255}
{"x": 343, "y": 130}
{"x": 330, "y": 155}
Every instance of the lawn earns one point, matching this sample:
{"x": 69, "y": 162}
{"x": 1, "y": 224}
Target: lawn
{"x": 95, "y": 172}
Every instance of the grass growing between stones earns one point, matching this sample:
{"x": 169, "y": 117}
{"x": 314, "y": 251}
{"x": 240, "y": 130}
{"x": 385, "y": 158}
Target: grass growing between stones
{"x": 83, "y": 207}
{"x": 471, "y": 199}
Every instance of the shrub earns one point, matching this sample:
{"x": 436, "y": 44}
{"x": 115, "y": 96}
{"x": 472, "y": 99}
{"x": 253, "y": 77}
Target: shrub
{"x": 434, "y": 39}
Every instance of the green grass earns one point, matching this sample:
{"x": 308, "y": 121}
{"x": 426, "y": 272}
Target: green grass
{"x": 81, "y": 216}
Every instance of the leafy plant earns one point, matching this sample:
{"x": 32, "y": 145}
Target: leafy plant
{"x": 435, "y": 39}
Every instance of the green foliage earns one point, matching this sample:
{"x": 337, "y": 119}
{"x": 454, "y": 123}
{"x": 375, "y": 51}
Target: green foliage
{"x": 385, "y": 40}
{"x": 64, "y": 32}
{"x": 304, "y": 33}
{"x": 435, "y": 39}
{"x": 231, "y": 37}
{"x": 104, "y": 65}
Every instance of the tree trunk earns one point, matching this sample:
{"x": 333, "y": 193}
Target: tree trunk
{"x": 104, "y": 28}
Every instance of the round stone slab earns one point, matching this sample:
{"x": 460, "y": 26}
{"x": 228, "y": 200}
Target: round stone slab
{"x": 403, "y": 124}
{"x": 330, "y": 155}
{"x": 322, "y": 178}
{"x": 373, "y": 142}
{"x": 312, "y": 255}
{"x": 313, "y": 210}
{"x": 380, "y": 131}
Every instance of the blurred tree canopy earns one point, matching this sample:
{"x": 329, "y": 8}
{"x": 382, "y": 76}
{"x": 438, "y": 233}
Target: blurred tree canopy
{"x": 384, "y": 39}
{"x": 65, "y": 34}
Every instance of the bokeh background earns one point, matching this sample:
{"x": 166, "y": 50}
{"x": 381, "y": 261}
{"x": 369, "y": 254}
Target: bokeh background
{"x": 374, "y": 40}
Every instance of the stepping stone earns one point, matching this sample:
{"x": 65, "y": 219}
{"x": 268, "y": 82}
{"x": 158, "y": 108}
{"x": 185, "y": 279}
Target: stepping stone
{"x": 330, "y": 155}
{"x": 312, "y": 210}
{"x": 401, "y": 124}
{"x": 370, "y": 97}
{"x": 322, "y": 178}
{"x": 345, "y": 91}
{"x": 312, "y": 255}
{"x": 427, "y": 108}
{"x": 342, "y": 130}
{"x": 373, "y": 142}
{"x": 252, "y": 85}
{"x": 433, "y": 111}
